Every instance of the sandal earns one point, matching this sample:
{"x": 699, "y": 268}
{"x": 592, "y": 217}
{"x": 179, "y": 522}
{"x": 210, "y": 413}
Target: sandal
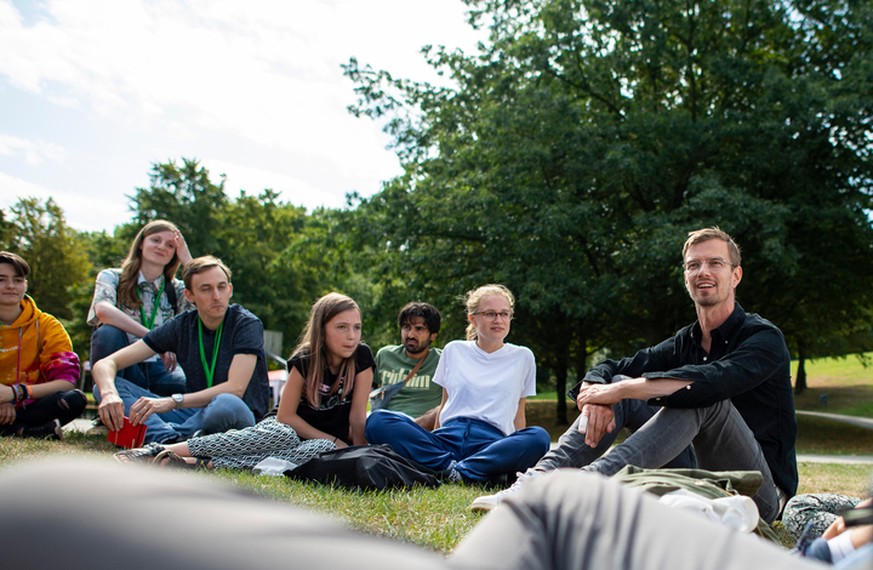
{"x": 169, "y": 458}
{"x": 139, "y": 454}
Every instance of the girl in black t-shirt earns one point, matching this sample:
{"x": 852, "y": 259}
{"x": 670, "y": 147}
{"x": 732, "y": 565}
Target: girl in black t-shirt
{"x": 329, "y": 375}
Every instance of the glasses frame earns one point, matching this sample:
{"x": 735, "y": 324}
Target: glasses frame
{"x": 707, "y": 263}
{"x": 508, "y": 316}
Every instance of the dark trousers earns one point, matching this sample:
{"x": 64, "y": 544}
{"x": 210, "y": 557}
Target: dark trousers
{"x": 62, "y": 406}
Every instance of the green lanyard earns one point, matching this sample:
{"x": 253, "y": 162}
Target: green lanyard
{"x": 150, "y": 323}
{"x": 207, "y": 369}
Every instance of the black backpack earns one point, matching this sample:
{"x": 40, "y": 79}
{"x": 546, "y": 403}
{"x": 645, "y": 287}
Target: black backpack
{"x": 364, "y": 467}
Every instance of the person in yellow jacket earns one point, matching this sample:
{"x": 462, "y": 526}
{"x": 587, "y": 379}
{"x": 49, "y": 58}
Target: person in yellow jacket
{"x": 38, "y": 368}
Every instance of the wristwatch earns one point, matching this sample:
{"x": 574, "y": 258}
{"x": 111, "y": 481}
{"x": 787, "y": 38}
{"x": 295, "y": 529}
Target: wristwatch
{"x": 179, "y": 399}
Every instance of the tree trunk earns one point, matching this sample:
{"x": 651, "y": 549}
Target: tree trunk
{"x": 800, "y": 381}
{"x": 562, "y": 360}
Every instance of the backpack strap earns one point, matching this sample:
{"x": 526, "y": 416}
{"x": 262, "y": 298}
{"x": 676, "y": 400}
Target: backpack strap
{"x": 417, "y": 366}
{"x": 170, "y": 290}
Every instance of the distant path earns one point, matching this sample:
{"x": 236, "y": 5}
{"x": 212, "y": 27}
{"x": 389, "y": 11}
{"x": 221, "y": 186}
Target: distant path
{"x": 865, "y": 423}
{"x": 843, "y": 459}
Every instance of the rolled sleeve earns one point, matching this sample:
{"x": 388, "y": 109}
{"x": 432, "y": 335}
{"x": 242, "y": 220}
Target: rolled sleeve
{"x": 105, "y": 289}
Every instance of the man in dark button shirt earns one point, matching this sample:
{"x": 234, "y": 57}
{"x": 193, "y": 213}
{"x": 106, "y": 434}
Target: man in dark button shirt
{"x": 722, "y": 384}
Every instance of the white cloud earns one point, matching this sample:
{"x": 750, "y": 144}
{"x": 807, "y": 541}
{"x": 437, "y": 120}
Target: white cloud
{"x": 256, "y": 68}
{"x": 35, "y": 152}
{"x": 254, "y": 85}
{"x": 80, "y": 212}
{"x": 254, "y": 180}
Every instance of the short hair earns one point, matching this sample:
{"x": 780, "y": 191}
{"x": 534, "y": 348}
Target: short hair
{"x": 426, "y": 311}
{"x": 201, "y": 264}
{"x": 706, "y": 234}
{"x": 16, "y": 261}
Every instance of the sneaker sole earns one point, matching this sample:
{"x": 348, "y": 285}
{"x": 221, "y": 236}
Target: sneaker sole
{"x": 482, "y": 506}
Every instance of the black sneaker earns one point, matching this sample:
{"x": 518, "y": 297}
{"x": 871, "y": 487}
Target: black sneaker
{"x": 51, "y": 430}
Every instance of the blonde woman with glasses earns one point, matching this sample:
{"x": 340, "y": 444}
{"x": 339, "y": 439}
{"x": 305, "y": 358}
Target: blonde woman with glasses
{"x": 481, "y": 428}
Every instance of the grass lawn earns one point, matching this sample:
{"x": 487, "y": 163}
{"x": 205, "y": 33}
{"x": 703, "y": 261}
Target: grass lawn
{"x": 434, "y": 518}
{"x": 838, "y": 386}
{"x": 438, "y": 519}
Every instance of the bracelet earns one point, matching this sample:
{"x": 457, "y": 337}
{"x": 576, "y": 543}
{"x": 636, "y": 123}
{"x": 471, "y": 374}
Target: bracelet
{"x": 21, "y": 392}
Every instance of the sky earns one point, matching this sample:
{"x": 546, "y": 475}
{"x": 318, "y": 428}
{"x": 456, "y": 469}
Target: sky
{"x": 94, "y": 92}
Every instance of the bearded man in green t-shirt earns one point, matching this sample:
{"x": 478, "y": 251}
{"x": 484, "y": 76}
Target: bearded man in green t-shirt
{"x": 412, "y": 363}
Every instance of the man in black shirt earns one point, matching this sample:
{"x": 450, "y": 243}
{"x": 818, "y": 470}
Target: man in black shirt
{"x": 722, "y": 384}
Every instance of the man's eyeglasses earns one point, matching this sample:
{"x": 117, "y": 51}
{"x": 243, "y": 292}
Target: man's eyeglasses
{"x": 714, "y": 264}
{"x": 492, "y": 315}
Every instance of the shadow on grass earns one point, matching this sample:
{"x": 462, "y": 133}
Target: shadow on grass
{"x": 854, "y": 400}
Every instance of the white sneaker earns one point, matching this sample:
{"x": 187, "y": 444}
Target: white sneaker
{"x": 488, "y": 502}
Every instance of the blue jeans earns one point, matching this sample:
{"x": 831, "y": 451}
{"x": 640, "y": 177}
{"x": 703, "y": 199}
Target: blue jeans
{"x": 223, "y": 413}
{"x": 480, "y": 449}
{"x": 722, "y": 442}
{"x": 152, "y": 375}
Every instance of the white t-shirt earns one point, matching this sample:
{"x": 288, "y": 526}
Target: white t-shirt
{"x": 485, "y": 386}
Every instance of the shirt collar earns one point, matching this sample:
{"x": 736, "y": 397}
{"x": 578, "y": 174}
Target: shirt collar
{"x": 727, "y": 328}
{"x": 142, "y": 279}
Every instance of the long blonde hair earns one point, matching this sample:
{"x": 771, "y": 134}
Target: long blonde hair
{"x": 132, "y": 263}
{"x": 312, "y": 343}
{"x": 475, "y": 296}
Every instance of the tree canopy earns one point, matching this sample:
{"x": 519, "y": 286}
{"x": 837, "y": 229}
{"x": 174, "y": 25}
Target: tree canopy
{"x": 568, "y": 159}
{"x": 587, "y": 137}
{"x": 40, "y": 234}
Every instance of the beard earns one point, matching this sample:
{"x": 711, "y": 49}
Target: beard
{"x": 414, "y": 347}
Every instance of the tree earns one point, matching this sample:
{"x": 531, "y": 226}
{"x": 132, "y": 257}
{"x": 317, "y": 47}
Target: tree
{"x": 186, "y": 196}
{"x": 282, "y": 258}
{"x": 276, "y": 275}
{"x": 54, "y": 251}
{"x": 588, "y": 136}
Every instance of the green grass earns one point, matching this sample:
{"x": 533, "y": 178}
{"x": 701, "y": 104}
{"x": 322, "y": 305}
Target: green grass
{"x": 438, "y": 518}
{"x": 433, "y": 518}
{"x": 828, "y": 437}
{"x": 838, "y": 386}
{"x": 845, "y": 479}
